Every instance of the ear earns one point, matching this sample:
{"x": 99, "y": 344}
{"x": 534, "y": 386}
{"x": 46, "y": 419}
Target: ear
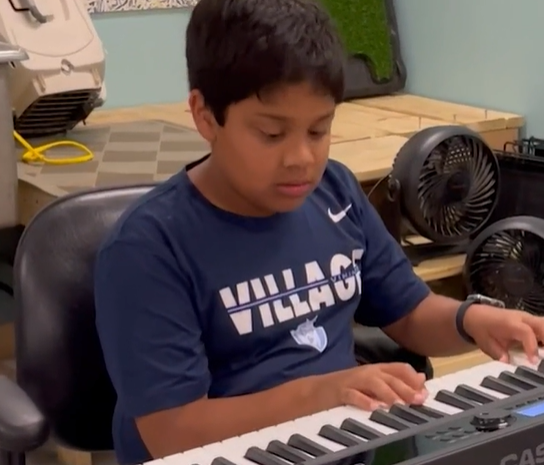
{"x": 202, "y": 116}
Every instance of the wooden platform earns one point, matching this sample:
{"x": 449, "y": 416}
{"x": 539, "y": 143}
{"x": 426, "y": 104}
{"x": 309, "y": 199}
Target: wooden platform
{"x": 366, "y": 136}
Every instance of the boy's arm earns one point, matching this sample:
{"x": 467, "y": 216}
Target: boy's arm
{"x": 206, "y": 421}
{"x": 430, "y": 328}
{"x": 152, "y": 344}
{"x": 396, "y": 299}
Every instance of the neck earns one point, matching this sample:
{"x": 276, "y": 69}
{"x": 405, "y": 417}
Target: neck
{"x": 214, "y": 186}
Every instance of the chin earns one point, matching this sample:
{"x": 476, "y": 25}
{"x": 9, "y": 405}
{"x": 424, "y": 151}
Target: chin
{"x": 288, "y": 205}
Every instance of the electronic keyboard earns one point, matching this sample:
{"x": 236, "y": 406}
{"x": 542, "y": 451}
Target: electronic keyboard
{"x": 454, "y": 426}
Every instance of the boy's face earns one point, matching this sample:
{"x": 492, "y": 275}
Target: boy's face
{"x": 272, "y": 150}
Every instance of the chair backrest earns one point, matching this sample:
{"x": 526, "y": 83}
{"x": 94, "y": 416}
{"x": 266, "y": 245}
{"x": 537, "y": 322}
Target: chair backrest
{"x": 59, "y": 359}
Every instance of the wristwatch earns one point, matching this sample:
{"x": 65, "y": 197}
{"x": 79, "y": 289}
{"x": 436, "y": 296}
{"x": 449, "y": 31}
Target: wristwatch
{"x": 470, "y": 300}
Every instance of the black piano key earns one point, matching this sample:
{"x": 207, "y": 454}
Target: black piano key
{"x": 541, "y": 366}
{"x": 261, "y": 457}
{"x": 360, "y": 429}
{"x": 530, "y": 374}
{"x": 222, "y": 461}
{"x": 409, "y": 414}
{"x": 387, "y": 419}
{"x": 473, "y": 394}
{"x": 307, "y": 445}
{"x": 454, "y": 400}
{"x": 427, "y": 411}
{"x": 498, "y": 385}
{"x": 287, "y": 452}
{"x": 518, "y": 381}
{"x": 334, "y": 434}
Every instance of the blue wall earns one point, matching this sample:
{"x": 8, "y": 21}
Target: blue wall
{"x": 479, "y": 52}
{"x": 145, "y": 56}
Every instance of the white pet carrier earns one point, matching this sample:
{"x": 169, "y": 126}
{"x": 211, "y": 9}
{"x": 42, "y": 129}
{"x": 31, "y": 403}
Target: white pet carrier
{"x": 63, "y": 79}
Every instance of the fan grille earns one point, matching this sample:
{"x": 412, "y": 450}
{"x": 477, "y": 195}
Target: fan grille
{"x": 509, "y": 266}
{"x": 56, "y": 113}
{"x": 458, "y": 186}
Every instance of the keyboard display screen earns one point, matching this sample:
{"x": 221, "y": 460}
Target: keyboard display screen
{"x": 532, "y": 411}
{"x": 388, "y": 454}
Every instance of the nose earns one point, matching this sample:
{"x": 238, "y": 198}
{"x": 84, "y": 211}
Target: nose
{"x": 299, "y": 154}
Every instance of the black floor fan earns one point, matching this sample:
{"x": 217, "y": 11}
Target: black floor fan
{"x": 445, "y": 180}
{"x": 506, "y": 262}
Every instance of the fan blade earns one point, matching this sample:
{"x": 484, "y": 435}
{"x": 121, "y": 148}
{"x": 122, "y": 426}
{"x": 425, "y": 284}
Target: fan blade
{"x": 449, "y": 217}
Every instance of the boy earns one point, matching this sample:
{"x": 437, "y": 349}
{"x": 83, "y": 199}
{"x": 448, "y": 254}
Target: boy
{"x": 225, "y": 297}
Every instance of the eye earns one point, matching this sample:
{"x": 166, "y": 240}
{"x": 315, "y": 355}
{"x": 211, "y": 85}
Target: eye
{"x": 317, "y": 134}
{"x": 271, "y": 136}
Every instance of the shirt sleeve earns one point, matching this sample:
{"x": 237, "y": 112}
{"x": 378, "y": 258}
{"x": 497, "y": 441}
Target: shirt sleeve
{"x": 390, "y": 287}
{"x": 148, "y": 328}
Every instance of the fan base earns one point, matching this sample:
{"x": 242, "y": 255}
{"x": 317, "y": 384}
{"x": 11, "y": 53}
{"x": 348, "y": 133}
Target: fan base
{"x": 418, "y": 253}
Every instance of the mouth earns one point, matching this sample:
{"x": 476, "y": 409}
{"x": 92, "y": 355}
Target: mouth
{"x": 295, "y": 189}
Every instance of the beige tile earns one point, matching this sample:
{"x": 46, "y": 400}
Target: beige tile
{"x": 133, "y": 137}
{"x": 129, "y": 166}
{"x": 169, "y": 167}
{"x": 55, "y": 180}
{"x": 183, "y": 146}
{"x": 121, "y": 156}
{"x": 75, "y": 168}
{"x": 118, "y": 179}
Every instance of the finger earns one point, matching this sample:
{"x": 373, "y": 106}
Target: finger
{"x": 495, "y": 350}
{"x": 537, "y": 324}
{"x": 407, "y": 394}
{"x": 406, "y": 373}
{"x": 358, "y": 399}
{"x": 380, "y": 389}
{"x": 524, "y": 334}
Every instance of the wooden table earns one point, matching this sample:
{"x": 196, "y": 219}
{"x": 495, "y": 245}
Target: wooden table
{"x": 366, "y": 136}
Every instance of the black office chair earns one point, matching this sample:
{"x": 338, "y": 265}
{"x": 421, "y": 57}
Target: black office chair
{"x": 62, "y": 384}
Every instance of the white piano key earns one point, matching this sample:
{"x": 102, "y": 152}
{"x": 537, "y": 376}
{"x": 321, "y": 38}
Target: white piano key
{"x": 281, "y": 432}
{"x": 309, "y": 427}
{"x": 474, "y": 376}
{"x": 364, "y": 417}
{"x": 436, "y": 384}
{"x": 213, "y": 451}
{"x": 197, "y": 456}
{"x": 520, "y": 359}
{"x": 444, "y": 408}
{"x": 234, "y": 449}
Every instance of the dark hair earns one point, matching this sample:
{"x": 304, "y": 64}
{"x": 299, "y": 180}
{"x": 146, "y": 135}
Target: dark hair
{"x": 239, "y": 48}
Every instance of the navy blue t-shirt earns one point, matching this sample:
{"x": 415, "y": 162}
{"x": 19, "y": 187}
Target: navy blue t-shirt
{"x": 192, "y": 300}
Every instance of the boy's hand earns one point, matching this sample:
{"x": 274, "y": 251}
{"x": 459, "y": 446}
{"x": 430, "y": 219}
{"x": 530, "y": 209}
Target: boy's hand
{"x": 496, "y": 331}
{"x": 369, "y": 387}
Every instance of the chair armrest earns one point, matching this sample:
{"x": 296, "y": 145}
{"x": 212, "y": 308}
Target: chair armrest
{"x": 372, "y": 345}
{"x": 22, "y": 426}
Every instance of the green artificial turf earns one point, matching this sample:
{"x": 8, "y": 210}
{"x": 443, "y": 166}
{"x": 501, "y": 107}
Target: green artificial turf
{"x": 364, "y": 29}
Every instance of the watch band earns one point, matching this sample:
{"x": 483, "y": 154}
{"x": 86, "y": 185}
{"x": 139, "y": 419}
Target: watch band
{"x": 470, "y": 300}
{"x": 460, "y": 317}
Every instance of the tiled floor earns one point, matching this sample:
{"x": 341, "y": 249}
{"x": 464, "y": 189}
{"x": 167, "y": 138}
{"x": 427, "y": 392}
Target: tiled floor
{"x": 126, "y": 153}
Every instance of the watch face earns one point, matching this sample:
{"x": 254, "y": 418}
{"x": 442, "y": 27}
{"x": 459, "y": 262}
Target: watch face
{"x": 482, "y": 299}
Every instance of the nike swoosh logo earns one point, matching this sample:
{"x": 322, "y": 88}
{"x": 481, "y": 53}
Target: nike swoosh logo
{"x": 336, "y": 217}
